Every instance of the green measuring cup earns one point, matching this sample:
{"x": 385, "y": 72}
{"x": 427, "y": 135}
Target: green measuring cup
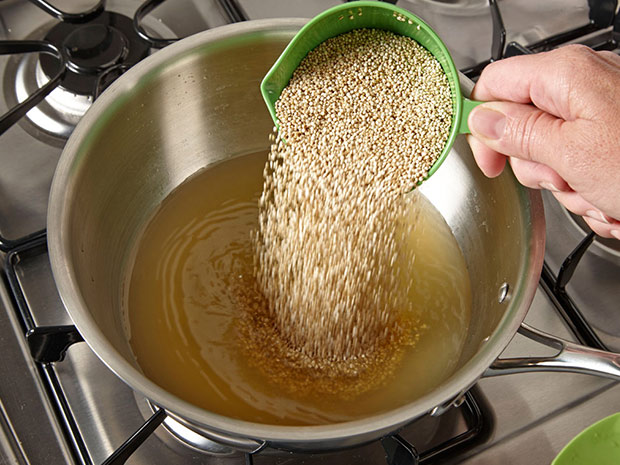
{"x": 598, "y": 444}
{"x": 372, "y": 15}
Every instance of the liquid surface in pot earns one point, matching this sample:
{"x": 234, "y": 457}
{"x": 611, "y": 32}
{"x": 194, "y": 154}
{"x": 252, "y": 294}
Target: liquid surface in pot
{"x": 183, "y": 313}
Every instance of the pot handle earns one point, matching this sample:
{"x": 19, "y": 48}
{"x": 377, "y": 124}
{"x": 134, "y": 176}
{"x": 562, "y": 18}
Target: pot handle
{"x": 571, "y": 357}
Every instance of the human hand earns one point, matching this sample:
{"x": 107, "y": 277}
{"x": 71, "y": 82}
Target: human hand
{"x": 556, "y": 117}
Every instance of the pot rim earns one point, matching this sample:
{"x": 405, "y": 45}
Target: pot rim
{"x": 59, "y": 247}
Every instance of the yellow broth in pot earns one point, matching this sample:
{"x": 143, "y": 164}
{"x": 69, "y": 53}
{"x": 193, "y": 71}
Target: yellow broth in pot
{"x": 184, "y": 316}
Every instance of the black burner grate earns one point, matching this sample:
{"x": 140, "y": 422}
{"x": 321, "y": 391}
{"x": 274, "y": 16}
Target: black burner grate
{"x": 602, "y": 14}
{"x": 555, "y": 288}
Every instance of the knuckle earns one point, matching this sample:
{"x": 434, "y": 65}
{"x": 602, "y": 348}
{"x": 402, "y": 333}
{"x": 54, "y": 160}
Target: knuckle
{"x": 577, "y": 52}
{"x": 609, "y": 55}
{"x": 572, "y": 58}
{"x": 571, "y": 71}
{"x": 525, "y": 134}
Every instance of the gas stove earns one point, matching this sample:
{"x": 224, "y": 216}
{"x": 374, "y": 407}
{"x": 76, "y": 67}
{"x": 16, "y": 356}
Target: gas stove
{"x": 60, "y": 404}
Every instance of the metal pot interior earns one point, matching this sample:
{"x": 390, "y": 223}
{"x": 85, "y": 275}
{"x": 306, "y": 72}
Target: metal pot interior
{"x": 198, "y": 102}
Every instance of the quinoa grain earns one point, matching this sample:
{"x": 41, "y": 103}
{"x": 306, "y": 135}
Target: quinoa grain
{"x": 363, "y": 119}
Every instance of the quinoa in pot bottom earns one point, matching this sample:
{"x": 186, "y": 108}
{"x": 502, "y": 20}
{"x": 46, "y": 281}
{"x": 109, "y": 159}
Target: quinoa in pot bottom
{"x": 365, "y": 116}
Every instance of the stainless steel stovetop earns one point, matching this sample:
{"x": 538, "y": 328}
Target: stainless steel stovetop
{"x": 78, "y": 411}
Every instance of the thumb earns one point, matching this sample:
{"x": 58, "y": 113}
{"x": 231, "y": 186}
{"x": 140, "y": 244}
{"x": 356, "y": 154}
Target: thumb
{"x": 517, "y": 130}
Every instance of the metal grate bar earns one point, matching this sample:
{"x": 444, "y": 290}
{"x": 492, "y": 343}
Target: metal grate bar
{"x": 143, "y": 10}
{"x": 6, "y": 245}
{"x": 120, "y": 455}
{"x": 71, "y": 431}
{"x": 479, "y": 426}
{"x": 399, "y": 452}
{"x": 13, "y": 47}
{"x": 233, "y": 10}
{"x": 563, "y": 37}
{"x": 46, "y": 370}
{"x": 81, "y": 17}
{"x": 499, "y": 32}
{"x": 569, "y": 311}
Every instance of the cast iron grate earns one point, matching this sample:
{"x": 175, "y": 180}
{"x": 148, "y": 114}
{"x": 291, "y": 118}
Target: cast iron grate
{"x": 602, "y": 14}
{"x": 555, "y": 288}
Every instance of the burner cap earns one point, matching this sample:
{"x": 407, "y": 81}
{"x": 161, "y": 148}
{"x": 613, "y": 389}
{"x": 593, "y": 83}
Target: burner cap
{"x": 92, "y": 48}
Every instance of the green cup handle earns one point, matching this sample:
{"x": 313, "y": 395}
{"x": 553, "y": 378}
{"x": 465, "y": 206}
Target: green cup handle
{"x": 467, "y": 106}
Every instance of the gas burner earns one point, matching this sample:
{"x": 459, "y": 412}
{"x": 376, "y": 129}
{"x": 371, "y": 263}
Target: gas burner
{"x": 93, "y": 48}
{"x": 95, "y": 53}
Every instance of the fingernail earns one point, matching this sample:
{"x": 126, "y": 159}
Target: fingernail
{"x": 549, "y": 186}
{"x": 598, "y": 216}
{"x": 488, "y": 123}
{"x": 615, "y": 233}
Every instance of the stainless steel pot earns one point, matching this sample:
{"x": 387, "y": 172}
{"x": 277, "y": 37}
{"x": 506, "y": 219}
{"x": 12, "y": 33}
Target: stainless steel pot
{"x": 197, "y": 102}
